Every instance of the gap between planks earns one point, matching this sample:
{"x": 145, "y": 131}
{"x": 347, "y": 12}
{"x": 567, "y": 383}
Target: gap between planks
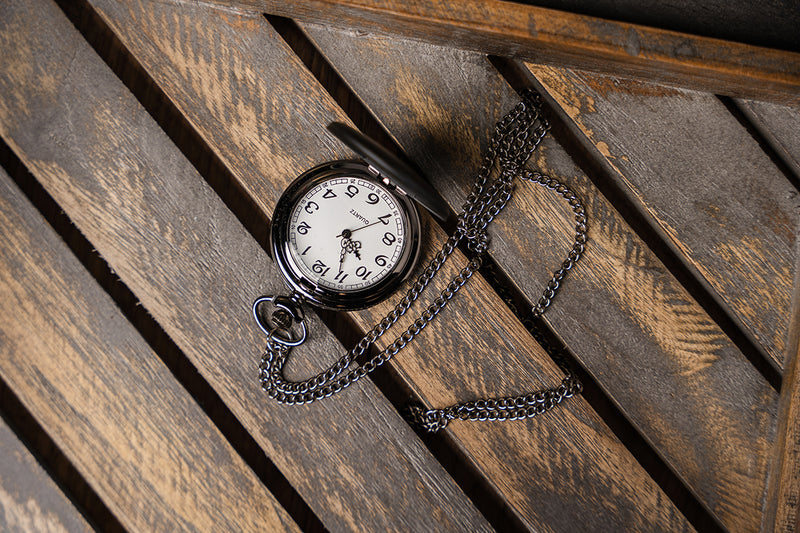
{"x": 768, "y": 142}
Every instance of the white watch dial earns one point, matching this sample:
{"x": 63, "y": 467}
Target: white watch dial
{"x": 346, "y": 233}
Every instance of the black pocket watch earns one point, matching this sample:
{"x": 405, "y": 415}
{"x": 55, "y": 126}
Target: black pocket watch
{"x": 346, "y": 234}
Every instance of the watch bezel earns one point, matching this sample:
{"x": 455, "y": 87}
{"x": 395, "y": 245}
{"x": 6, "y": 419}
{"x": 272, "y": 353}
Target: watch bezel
{"x": 327, "y": 297}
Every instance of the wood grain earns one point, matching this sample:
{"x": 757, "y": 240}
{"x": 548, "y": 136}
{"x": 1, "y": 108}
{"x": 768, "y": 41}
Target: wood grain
{"x": 195, "y": 269}
{"x": 29, "y": 499}
{"x": 783, "y": 509}
{"x": 704, "y": 182}
{"x": 642, "y": 336}
{"x": 590, "y": 477}
{"x": 560, "y": 38}
{"x": 107, "y": 400}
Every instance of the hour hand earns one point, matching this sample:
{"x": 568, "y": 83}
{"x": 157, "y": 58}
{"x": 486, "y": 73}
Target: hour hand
{"x": 342, "y": 253}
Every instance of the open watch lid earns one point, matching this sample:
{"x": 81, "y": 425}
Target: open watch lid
{"x": 391, "y": 167}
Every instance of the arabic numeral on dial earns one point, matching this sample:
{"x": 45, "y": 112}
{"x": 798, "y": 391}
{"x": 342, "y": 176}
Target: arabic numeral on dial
{"x": 329, "y": 194}
{"x": 388, "y": 238}
{"x": 363, "y": 273}
{"x": 351, "y": 191}
{"x": 340, "y": 277}
{"x": 311, "y": 206}
{"x": 303, "y": 228}
{"x": 372, "y": 198}
{"x": 320, "y": 268}
{"x": 381, "y": 260}
{"x": 385, "y": 219}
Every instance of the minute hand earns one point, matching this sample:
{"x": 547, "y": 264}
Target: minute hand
{"x": 368, "y": 225}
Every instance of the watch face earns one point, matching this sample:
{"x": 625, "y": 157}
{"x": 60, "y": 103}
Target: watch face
{"x": 343, "y": 238}
{"x": 347, "y": 233}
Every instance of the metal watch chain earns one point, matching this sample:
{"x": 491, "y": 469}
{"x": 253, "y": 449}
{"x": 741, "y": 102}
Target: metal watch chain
{"x": 515, "y": 138}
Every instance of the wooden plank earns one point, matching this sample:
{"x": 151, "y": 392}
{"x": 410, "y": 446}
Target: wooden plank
{"x": 29, "y": 499}
{"x": 684, "y": 161}
{"x": 560, "y": 38}
{"x": 591, "y": 477}
{"x": 783, "y": 510}
{"x": 193, "y": 266}
{"x": 632, "y": 325}
{"x": 779, "y": 126}
{"x": 771, "y": 23}
{"x": 114, "y": 409}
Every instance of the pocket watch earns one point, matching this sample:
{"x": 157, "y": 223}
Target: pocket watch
{"x": 346, "y": 234}
{"x": 342, "y": 237}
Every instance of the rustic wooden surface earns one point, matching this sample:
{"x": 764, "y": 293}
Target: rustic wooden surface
{"x": 432, "y": 99}
{"x": 679, "y": 427}
{"x": 424, "y": 366}
{"x": 29, "y": 499}
{"x": 557, "y": 37}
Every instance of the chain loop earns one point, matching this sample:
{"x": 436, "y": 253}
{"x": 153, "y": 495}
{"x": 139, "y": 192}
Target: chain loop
{"x": 515, "y": 138}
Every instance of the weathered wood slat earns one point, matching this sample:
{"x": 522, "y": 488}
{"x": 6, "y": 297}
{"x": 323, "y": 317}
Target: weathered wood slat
{"x": 704, "y": 182}
{"x": 105, "y": 398}
{"x": 266, "y": 147}
{"x": 633, "y": 326}
{"x": 547, "y": 36}
{"x": 780, "y": 126}
{"x": 782, "y": 514}
{"x": 196, "y": 270}
{"x": 29, "y": 499}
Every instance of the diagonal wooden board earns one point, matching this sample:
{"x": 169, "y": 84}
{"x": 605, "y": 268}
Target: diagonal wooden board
{"x": 782, "y": 513}
{"x": 192, "y": 265}
{"x": 448, "y": 362}
{"x": 643, "y": 337}
{"x": 29, "y": 499}
{"x": 105, "y": 398}
{"x": 705, "y": 183}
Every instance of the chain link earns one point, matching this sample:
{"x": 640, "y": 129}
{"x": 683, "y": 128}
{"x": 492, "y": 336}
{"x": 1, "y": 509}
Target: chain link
{"x": 515, "y": 138}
